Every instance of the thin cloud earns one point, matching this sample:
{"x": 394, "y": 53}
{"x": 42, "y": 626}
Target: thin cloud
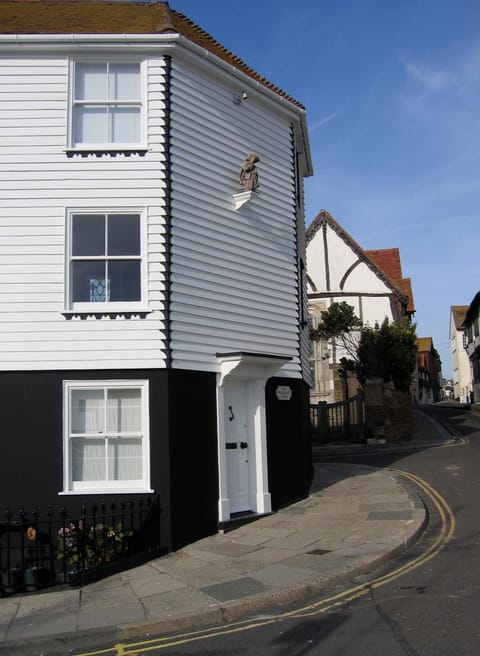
{"x": 322, "y": 121}
{"x": 427, "y": 79}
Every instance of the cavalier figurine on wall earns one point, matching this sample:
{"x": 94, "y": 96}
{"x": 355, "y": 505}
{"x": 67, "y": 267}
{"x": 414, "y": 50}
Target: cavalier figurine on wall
{"x": 249, "y": 174}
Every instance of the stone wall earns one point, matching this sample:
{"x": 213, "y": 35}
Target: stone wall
{"x": 388, "y": 412}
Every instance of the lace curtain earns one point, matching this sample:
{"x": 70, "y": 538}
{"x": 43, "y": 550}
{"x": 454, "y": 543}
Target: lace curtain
{"x": 106, "y": 434}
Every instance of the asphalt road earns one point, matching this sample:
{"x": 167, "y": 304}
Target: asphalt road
{"x": 415, "y": 606}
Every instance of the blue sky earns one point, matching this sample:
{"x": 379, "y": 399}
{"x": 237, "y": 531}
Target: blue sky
{"x": 392, "y": 93}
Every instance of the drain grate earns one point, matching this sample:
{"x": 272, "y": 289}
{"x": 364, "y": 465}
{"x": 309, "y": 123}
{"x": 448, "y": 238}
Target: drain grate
{"x": 319, "y": 552}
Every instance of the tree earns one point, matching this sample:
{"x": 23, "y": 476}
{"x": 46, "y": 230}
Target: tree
{"x": 388, "y": 351}
{"x": 340, "y": 325}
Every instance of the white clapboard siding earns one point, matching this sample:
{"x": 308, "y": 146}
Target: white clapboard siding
{"x": 38, "y": 184}
{"x": 234, "y": 273}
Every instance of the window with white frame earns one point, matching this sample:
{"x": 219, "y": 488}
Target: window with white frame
{"x": 319, "y": 355}
{"x": 105, "y": 260}
{"x": 106, "y": 104}
{"x": 106, "y": 439}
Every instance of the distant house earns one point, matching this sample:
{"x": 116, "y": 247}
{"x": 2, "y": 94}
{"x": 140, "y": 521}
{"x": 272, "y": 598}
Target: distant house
{"x": 340, "y": 270}
{"x": 462, "y": 375}
{"x": 471, "y": 327}
{"x": 429, "y": 372}
{"x": 153, "y": 333}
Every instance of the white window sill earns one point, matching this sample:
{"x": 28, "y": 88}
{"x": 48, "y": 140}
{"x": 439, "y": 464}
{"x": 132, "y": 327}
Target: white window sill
{"x": 98, "y": 313}
{"x": 106, "y": 491}
{"x": 106, "y": 151}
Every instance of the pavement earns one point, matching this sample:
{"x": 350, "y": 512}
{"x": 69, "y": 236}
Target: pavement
{"x": 355, "y": 519}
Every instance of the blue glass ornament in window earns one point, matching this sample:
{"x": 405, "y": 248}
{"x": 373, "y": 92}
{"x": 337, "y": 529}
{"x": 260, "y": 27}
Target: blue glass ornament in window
{"x": 99, "y": 290}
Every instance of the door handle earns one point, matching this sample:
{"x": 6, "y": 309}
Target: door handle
{"x": 230, "y": 445}
{"x": 243, "y": 445}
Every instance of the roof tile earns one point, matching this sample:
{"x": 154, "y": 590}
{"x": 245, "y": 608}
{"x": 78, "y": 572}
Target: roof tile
{"x": 109, "y": 17}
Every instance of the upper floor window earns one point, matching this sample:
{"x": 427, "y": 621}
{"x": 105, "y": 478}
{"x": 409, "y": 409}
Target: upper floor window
{"x": 105, "y": 261}
{"x": 106, "y": 104}
{"x": 470, "y": 333}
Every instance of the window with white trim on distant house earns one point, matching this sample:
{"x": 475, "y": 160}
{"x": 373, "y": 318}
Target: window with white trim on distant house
{"x": 104, "y": 261}
{"x": 106, "y": 437}
{"x": 106, "y": 106}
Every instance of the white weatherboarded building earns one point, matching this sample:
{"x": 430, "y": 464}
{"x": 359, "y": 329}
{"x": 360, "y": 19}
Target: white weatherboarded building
{"x": 462, "y": 370}
{"x": 152, "y": 316}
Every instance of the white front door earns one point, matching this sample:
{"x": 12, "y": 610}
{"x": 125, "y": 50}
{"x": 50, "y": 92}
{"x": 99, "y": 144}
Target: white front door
{"x": 237, "y": 446}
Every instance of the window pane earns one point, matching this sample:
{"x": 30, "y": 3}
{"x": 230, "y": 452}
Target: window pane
{"x": 124, "y": 411}
{"x": 87, "y": 276}
{"x": 91, "y": 81}
{"x": 88, "y": 234}
{"x": 88, "y": 459}
{"x": 90, "y": 124}
{"x": 87, "y": 411}
{"x": 124, "y": 277}
{"x": 124, "y": 124}
{"x": 125, "y": 459}
{"x": 124, "y": 82}
{"x": 123, "y": 234}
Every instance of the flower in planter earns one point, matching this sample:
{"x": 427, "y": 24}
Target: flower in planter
{"x": 94, "y": 546}
{"x": 31, "y": 534}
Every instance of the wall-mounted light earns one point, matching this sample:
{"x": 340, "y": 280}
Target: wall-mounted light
{"x": 238, "y": 97}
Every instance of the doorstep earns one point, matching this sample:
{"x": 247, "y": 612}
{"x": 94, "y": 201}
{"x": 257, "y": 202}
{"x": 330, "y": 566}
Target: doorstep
{"x": 240, "y": 519}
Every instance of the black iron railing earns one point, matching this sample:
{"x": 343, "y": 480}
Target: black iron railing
{"x": 38, "y": 549}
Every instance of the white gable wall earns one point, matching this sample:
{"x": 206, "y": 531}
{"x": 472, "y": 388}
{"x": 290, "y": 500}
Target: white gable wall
{"x": 37, "y": 183}
{"x": 234, "y": 272}
{"x": 338, "y": 275}
{"x": 349, "y": 279}
{"x": 462, "y": 374}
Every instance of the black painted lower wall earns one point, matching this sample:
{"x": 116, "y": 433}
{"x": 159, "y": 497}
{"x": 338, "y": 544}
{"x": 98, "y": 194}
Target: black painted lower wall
{"x": 183, "y": 446}
{"x": 193, "y": 456}
{"x": 289, "y": 445}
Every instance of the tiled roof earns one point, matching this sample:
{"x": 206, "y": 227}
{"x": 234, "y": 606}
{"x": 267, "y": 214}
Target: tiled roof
{"x": 98, "y": 17}
{"x": 405, "y": 284}
{"x": 459, "y": 312}
{"x": 424, "y": 344}
{"x": 472, "y": 311}
{"x": 324, "y": 217}
{"x": 388, "y": 259}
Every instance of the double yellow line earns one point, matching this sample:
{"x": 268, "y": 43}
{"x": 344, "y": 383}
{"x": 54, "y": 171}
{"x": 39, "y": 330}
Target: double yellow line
{"x": 447, "y": 528}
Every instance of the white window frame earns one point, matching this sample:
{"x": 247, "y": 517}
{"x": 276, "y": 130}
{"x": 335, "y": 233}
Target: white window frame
{"x": 141, "y": 102}
{"x": 320, "y": 356}
{"x": 105, "y": 487}
{"x": 107, "y": 306}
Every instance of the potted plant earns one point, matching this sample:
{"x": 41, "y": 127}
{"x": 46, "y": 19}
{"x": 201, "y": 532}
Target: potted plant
{"x": 36, "y": 578}
{"x": 89, "y": 547}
